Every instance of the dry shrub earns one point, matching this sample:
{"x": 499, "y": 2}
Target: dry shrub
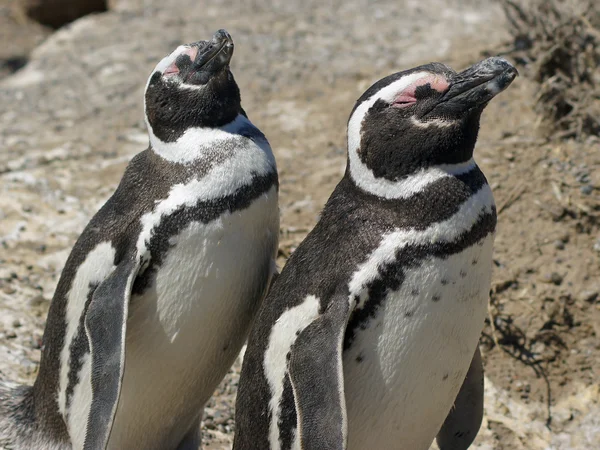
{"x": 559, "y": 43}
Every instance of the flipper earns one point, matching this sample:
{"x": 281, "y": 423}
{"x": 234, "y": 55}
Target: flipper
{"x": 463, "y": 421}
{"x": 316, "y": 373}
{"x": 105, "y": 325}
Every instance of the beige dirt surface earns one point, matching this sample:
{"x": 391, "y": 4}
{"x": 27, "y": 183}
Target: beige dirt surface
{"x": 72, "y": 118}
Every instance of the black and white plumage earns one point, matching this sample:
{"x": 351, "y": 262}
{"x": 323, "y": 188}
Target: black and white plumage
{"x": 368, "y": 334}
{"x": 157, "y": 296}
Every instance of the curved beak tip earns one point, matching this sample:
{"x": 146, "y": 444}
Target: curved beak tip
{"x": 222, "y": 36}
{"x": 492, "y": 67}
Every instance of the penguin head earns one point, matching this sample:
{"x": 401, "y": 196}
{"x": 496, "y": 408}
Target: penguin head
{"x": 422, "y": 117}
{"x": 192, "y": 87}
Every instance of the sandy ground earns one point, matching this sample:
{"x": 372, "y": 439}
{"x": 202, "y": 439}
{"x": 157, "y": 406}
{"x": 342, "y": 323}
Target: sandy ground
{"x": 71, "y": 119}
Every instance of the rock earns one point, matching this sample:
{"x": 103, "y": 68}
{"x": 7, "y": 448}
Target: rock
{"x": 18, "y": 36}
{"x": 56, "y": 13}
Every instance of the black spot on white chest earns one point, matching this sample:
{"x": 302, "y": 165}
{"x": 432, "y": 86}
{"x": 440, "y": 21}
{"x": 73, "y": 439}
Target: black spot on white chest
{"x": 427, "y": 262}
{"x": 410, "y": 357}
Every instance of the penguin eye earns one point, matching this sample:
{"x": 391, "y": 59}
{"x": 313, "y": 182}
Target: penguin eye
{"x": 171, "y": 70}
{"x": 404, "y": 100}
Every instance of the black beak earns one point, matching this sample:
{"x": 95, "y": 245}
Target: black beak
{"x": 215, "y": 54}
{"x": 476, "y": 86}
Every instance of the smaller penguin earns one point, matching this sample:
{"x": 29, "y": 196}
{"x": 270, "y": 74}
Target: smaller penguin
{"x": 158, "y": 293}
{"x": 368, "y": 337}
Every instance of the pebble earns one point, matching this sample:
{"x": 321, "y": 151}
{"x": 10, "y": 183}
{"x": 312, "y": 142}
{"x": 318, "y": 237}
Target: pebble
{"x": 9, "y": 290}
{"x": 586, "y": 189}
{"x": 538, "y": 348}
{"x": 36, "y": 341}
{"x": 588, "y": 296}
{"x": 582, "y": 177}
{"x": 559, "y": 245}
{"x": 221, "y": 419}
{"x": 554, "y": 278}
{"x": 37, "y": 300}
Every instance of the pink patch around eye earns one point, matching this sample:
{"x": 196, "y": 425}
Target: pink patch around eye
{"x": 407, "y": 96}
{"x": 192, "y": 52}
{"x": 171, "y": 70}
{"x": 404, "y": 99}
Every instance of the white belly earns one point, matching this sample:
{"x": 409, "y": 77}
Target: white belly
{"x": 403, "y": 372}
{"x": 185, "y": 331}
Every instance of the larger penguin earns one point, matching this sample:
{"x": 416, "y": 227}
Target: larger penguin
{"x": 159, "y": 291}
{"x": 368, "y": 334}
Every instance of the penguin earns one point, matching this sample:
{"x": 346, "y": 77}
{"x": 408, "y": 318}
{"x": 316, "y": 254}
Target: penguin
{"x": 157, "y": 296}
{"x": 368, "y": 339}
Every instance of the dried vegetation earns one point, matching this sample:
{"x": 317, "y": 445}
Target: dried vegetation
{"x": 558, "y": 42}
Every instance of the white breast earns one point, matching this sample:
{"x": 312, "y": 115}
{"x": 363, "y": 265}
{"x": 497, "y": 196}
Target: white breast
{"x": 405, "y": 369}
{"x": 187, "y": 330}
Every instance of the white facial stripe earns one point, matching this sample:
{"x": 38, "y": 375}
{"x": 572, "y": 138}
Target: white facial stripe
{"x": 448, "y": 230}
{"x": 97, "y": 266}
{"x": 192, "y": 87}
{"x": 254, "y": 159}
{"x": 435, "y": 122}
{"x": 283, "y": 335}
{"x": 196, "y": 141}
